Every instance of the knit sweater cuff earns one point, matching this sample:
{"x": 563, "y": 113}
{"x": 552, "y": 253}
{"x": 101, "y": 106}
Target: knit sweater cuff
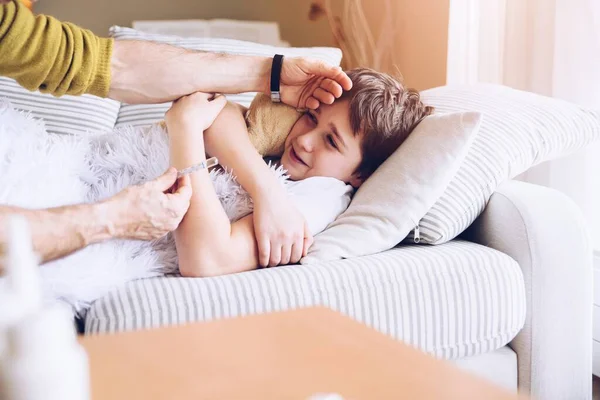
{"x": 101, "y": 81}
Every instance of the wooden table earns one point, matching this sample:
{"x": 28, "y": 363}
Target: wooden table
{"x": 285, "y": 355}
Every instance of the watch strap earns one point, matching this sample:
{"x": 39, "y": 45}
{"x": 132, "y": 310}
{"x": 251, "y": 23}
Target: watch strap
{"x": 276, "y": 78}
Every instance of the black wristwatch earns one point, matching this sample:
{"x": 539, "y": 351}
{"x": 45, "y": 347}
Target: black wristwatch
{"x": 276, "y": 77}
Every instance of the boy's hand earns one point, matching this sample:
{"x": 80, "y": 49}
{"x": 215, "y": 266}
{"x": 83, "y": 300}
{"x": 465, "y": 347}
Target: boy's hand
{"x": 282, "y": 234}
{"x": 196, "y": 111}
{"x": 306, "y": 83}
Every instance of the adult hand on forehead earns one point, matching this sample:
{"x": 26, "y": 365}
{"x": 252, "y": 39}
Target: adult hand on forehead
{"x": 306, "y": 83}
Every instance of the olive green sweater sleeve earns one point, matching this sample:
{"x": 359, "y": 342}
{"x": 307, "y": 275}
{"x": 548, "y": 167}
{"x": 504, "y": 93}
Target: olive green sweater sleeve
{"x": 42, "y": 53}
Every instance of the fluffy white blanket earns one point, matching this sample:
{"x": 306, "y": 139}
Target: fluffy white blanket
{"x": 39, "y": 170}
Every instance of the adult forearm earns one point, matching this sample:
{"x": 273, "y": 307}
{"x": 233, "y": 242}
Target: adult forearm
{"x": 149, "y": 72}
{"x": 60, "y": 231}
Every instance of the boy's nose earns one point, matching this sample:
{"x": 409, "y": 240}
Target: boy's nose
{"x": 306, "y": 141}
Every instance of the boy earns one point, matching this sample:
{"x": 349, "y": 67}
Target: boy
{"x": 336, "y": 146}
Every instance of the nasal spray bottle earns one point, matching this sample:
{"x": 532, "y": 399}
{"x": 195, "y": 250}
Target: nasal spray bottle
{"x": 40, "y": 357}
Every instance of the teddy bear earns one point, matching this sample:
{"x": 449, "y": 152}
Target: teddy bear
{"x": 269, "y": 124}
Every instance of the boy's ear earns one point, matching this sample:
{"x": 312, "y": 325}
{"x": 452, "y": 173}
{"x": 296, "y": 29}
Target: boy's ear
{"x": 356, "y": 180}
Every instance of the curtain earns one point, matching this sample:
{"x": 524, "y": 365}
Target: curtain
{"x": 550, "y": 47}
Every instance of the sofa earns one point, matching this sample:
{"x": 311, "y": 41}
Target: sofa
{"x": 511, "y": 299}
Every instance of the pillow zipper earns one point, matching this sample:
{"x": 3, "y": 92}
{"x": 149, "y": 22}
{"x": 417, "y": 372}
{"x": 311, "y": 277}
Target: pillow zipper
{"x": 417, "y": 235}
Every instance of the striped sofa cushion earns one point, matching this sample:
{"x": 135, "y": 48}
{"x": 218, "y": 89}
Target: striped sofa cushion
{"x": 66, "y": 114}
{"x": 454, "y": 300}
{"x": 139, "y": 115}
{"x": 519, "y": 130}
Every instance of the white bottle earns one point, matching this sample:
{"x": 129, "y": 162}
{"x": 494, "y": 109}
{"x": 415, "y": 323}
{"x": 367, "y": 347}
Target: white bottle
{"x": 22, "y": 294}
{"x": 42, "y": 358}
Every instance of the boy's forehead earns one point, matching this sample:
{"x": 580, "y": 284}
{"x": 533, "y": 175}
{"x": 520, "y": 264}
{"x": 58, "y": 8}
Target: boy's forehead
{"x": 331, "y": 111}
{"x": 340, "y": 110}
{"x": 343, "y": 110}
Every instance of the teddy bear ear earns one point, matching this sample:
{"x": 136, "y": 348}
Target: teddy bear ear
{"x": 269, "y": 124}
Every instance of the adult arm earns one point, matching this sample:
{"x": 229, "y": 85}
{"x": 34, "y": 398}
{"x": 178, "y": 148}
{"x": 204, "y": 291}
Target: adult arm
{"x": 140, "y": 212}
{"x": 43, "y": 53}
{"x": 57, "y": 232}
{"x": 149, "y": 72}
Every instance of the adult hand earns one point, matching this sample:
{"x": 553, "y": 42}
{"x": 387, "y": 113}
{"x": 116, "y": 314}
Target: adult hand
{"x": 282, "y": 234}
{"x": 306, "y": 83}
{"x": 196, "y": 111}
{"x": 150, "y": 210}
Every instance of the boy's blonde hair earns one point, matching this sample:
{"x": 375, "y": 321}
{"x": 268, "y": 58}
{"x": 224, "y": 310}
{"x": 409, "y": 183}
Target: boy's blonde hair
{"x": 384, "y": 112}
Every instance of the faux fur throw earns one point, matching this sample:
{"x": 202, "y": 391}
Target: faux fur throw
{"x": 40, "y": 170}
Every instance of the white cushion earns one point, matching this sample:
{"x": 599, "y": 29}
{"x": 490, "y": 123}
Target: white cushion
{"x": 391, "y": 202}
{"x": 66, "y": 114}
{"x": 519, "y": 130}
{"x": 455, "y": 300}
{"x": 144, "y": 114}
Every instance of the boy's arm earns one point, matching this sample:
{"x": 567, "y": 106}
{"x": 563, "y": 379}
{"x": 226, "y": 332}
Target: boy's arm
{"x": 228, "y": 140}
{"x": 207, "y": 243}
{"x": 281, "y": 232}
{"x": 205, "y": 248}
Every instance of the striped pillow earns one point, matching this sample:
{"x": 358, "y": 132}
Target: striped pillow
{"x": 67, "y": 114}
{"x": 519, "y": 130}
{"x": 143, "y": 114}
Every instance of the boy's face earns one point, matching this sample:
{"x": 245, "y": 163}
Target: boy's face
{"x": 321, "y": 143}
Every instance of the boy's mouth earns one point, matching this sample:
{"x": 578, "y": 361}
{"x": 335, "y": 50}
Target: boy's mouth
{"x": 295, "y": 158}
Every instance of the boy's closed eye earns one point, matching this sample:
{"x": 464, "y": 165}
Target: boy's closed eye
{"x": 332, "y": 142}
{"x": 330, "y": 137}
{"x": 312, "y": 117}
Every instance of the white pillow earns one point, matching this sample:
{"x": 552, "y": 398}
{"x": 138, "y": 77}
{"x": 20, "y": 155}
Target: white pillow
{"x": 66, "y": 114}
{"x": 519, "y": 130}
{"x": 144, "y": 114}
{"x": 390, "y": 203}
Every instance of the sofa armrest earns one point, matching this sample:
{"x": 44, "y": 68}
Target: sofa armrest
{"x": 543, "y": 230}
